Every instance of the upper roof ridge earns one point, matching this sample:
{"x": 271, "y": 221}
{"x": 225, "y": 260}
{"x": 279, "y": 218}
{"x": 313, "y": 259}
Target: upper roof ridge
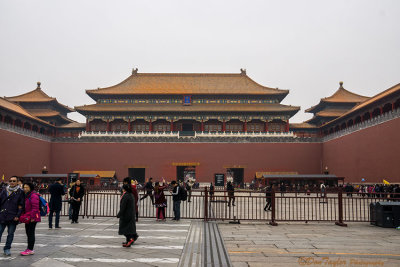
{"x": 341, "y": 95}
{"x": 187, "y": 83}
{"x": 37, "y": 95}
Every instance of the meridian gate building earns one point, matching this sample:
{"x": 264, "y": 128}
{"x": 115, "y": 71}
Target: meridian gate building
{"x": 175, "y": 125}
{"x": 188, "y": 103}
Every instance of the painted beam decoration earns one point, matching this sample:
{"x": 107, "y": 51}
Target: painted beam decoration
{"x": 196, "y": 118}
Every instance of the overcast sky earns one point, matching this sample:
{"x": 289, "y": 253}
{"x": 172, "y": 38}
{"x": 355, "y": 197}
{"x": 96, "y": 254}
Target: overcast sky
{"x": 304, "y": 46}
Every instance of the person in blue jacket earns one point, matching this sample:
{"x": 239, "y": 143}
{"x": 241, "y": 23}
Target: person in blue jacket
{"x": 12, "y": 203}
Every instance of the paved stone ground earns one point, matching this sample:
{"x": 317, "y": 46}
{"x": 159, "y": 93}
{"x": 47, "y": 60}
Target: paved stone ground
{"x": 95, "y": 242}
{"x": 312, "y": 244}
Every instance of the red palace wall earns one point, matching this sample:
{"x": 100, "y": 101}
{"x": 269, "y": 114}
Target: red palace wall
{"x": 372, "y": 153}
{"x": 212, "y": 157}
{"x": 20, "y": 155}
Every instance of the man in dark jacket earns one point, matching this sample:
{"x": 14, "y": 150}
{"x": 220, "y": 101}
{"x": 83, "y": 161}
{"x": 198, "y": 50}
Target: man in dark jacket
{"x": 76, "y": 193}
{"x": 268, "y": 195}
{"x": 149, "y": 190}
{"x": 12, "y": 203}
{"x": 231, "y": 193}
{"x": 56, "y": 191}
{"x": 176, "y": 200}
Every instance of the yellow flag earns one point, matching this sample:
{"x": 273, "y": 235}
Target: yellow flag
{"x": 2, "y": 178}
{"x": 385, "y": 182}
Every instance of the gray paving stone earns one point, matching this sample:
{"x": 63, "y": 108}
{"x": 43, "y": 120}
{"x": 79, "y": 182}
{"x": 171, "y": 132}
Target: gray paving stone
{"x": 47, "y": 262}
{"x": 54, "y": 245}
{"x": 315, "y": 241}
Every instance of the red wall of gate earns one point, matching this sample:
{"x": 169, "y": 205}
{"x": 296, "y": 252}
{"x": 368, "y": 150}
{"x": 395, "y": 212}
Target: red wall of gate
{"x": 20, "y": 155}
{"x": 372, "y": 153}
{"x": 158, "y": 158}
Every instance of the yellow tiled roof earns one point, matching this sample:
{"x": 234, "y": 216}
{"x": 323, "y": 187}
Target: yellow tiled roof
{"x": 340, "y": 96}
{"x": 392, "y": 90}
{"x": 106, "y": 174}
{"x": 186, "y": 83}
{"x": 36, "y": 95}
{"x": 18, "y": 109}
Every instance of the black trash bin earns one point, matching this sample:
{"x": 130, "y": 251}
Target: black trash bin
{"x": 387, "y": 214}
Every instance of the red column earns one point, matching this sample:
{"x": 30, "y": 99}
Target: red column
{"x": 31, "y": 127}
{"x": 87, "y": 125}
{"x": 13, "y": 124}
{"x": 266, "y": 126}
{"x": 245, "y": 126}
{"x": 108, "y": 125}
{"x": 202, "y": 125}
{"x": 392, "y": 106}
{"x": 172, "y": 125}
{"x": 381, "y": 109}
{"x": 150, "y": 126}
{"x": 23, "y": 124}
{"x": 129, "y": 125}
{"x": 370, "y": 115}
{"x": 224, "y": 126}
{"x": 287, "y": 126}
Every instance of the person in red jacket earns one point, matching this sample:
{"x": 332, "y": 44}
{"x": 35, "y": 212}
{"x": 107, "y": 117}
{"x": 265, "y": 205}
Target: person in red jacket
{"x": 31, "y": 216}
{"x": 136, "y": 196}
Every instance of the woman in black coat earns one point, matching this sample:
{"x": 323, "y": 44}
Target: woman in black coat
{"x": 76, "y": 193}
{"x": 126, "y": 215}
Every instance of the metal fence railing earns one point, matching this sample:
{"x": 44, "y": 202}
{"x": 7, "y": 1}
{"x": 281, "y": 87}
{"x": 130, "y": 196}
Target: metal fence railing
{"x": 245, "y": 205}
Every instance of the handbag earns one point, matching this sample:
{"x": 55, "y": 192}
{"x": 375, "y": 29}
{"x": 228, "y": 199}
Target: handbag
{"x": 24, "y": 218}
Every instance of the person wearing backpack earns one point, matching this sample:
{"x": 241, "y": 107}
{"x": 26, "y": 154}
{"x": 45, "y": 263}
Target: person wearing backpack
{"x": 31, "y": 216}
{"x": 176, "y": 201}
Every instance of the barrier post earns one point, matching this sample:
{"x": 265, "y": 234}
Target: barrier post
{"x": 85, "y": 206}
{"x": 273, "y": 210}
{"x": 205, "y": 204}
{"x": 340, "y": 203}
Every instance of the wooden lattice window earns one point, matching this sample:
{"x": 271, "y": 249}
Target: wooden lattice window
{"x": 213, "y": 127}
{"x": 234, "y": 127}
{"x": 119, "y": 126}
{"x": 276, "y": 127}
{"x": 255, "y": 127}
{"x": 141, "y": 127}
{"x": 98, "y": 126}
{"x": 162, "y": 127}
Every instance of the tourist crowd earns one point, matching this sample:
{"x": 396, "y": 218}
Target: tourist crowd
{"x": 20, "y": 203}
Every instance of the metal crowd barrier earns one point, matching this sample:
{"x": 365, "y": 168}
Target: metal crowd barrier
{"x": 247, "y": 205}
